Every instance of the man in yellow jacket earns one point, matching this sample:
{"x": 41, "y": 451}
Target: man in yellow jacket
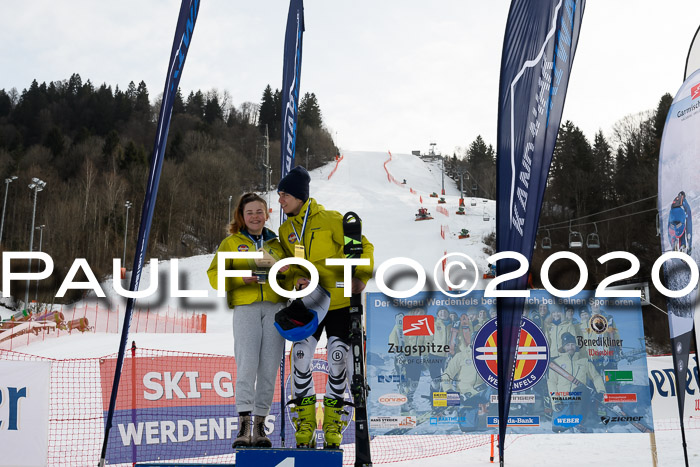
{"x": 315, "y": 234}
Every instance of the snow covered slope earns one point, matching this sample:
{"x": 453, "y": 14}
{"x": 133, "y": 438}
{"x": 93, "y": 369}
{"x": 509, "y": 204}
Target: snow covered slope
{"x": 360, "y": 183}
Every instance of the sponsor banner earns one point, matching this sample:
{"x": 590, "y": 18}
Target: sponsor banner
{"x": 392, "y": 400}
{"x": 168, "y": 406}
{"x": 384, "y": 422}
{"x": 566, "y": 396}
{"x": 24, "y": 413}
{"x": 568, "y": 421}
{"x": 445, "y": 399}
{"x": 422, "y": 325}
{"x": 617, "y": 375}
{"x": 516, "y": 399}
{"x": 619, "y": 397}
{"x": 662, "y": 382}
{"x": 516, "y": 421}
{"x": 572, "y": 352}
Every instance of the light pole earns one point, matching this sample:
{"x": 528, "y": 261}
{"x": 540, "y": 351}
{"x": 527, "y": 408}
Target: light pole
{"x": 307, "y": 158}
{"x": 127, "y": 205}
{"x": 41, "y": 238}
{"x": 4, "y": 204}
{"x": 36, "y": 186}
{"x": 443, "y": 175}
{"x": 230, "y": 197}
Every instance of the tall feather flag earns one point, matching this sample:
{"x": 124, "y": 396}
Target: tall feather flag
{"x": 538, "y": 51}
{"x": 189, "y": 10}
{"x": 692, "y": 61}
{"x": 678, "y": 204}
{"x": 291, "y": 77}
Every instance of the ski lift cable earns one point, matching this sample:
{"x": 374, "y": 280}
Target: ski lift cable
{"x": 598, "y": 221}
{"x": 596, "y": 213}
{"x": 661, "y": 310}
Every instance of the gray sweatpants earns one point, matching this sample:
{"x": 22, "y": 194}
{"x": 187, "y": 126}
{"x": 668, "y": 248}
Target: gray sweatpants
{"x": 258, "y": 350}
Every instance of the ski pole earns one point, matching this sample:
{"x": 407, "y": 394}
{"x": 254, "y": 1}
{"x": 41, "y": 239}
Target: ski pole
{"x": 282, "y": 400}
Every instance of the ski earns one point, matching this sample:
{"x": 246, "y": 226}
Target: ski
{"x": 352, "y": 231}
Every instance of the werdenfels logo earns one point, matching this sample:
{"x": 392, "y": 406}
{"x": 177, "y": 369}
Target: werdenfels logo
{"x": 695, "y": 91}
{"x": 393, "y": 399}
{"x": 420, "y": 325}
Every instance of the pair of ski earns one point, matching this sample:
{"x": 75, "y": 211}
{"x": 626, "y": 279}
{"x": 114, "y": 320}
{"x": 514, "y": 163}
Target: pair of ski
{"x": 352, "y": 231}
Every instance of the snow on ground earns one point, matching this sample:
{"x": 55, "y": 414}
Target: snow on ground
{"x": 388, "y": 210}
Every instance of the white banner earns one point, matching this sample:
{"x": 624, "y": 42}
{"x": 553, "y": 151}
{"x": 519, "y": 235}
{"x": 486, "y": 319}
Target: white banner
{"x": 24, "y": 413}
{"x": 663, "y": 390}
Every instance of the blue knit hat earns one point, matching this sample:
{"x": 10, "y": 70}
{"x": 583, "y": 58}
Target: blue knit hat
{"x": 296, "y": 183}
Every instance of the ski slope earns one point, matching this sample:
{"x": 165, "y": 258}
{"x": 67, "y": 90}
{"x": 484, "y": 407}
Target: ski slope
{"x": 360, "y": 182}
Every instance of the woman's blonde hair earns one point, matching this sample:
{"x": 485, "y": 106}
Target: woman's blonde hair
{"x": 238, "y": 222}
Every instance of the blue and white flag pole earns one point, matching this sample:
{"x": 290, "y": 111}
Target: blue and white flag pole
{"x": 189, "y": 10}
{"x": 538, "y": 50}
{"x": 291, "y": 77}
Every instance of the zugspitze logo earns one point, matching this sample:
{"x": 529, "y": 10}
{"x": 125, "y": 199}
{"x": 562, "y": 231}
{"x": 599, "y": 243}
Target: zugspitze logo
{"x": 420, "y": 325}
{"x": 695, "y": 91}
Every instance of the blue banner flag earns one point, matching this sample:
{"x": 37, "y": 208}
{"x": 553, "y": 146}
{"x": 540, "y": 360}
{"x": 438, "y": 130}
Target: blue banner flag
{"x": 538, "y": 50}
{"x": 679, "y": 188}
{"x": 290, "y": 82}
{"x": 189, "y": 10}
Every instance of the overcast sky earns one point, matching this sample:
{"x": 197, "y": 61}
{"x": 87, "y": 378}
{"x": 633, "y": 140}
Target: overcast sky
{"x": 388, "y": 74}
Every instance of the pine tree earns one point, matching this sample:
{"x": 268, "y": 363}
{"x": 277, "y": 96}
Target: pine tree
{"x": 267, "y": 112}
{"x": 131, "y": 92}
{"x": 603, "y": 169}
{"x": 142, "y": 104}
{"x": 309, "y": 111}
{"x": 195, "y": 104}
{"x": 212, "y": 110}
{"x": 178, "y": 103}
{"x": 572, "y": 164}
{"x": 481, "y": 163}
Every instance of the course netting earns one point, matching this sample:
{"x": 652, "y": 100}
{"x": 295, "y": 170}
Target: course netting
{"x": 179, "y": 406}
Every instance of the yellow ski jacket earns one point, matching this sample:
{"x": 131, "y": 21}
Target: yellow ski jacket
{"x": 323, "y": 238}
{"x": 237, "y": 291}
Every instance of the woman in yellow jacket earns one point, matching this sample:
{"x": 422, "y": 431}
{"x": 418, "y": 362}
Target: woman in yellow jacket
{"x": 258, "y": 346}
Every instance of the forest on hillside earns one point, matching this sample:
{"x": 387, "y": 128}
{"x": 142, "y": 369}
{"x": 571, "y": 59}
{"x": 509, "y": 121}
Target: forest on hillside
{"x": 92, "y": 146}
